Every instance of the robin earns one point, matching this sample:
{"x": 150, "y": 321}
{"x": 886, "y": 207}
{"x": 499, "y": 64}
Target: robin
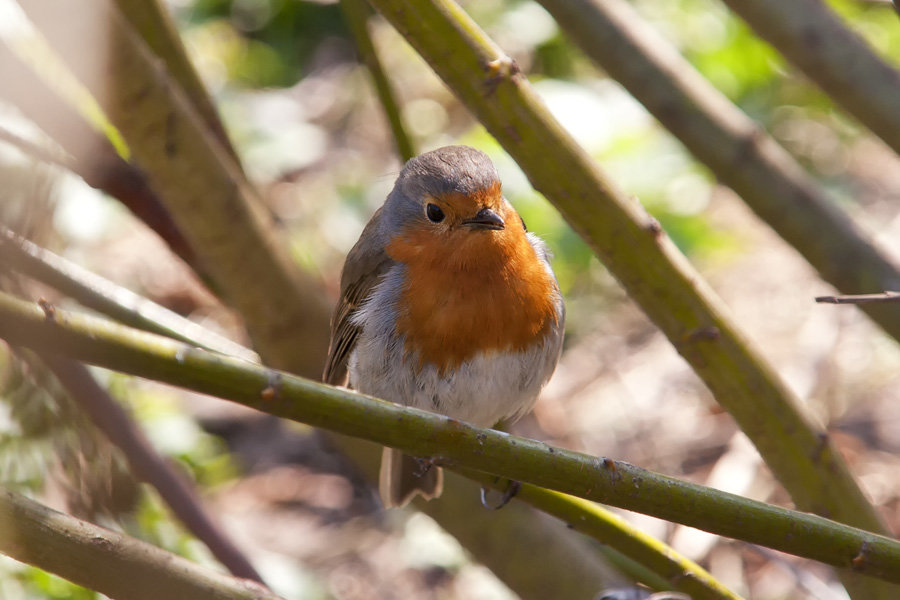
{"x": 447, "y": 304}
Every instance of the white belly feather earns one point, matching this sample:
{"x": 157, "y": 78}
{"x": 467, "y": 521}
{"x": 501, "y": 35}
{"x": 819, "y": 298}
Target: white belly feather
{"x": 483, "y": 390}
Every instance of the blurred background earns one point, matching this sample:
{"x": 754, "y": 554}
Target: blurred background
{"x": 302, "y": 114}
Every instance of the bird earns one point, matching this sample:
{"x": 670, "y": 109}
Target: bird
{"x": 447, "y": 304}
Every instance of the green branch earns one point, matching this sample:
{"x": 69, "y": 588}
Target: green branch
{"x": 452, "y": 443}
{"x": 813, "y": 38}
{"x": 109, "y": 562}
{"x": 356, "y": 14}
{"x": 108, "y": 298}
{"x": 678, "y": 572}
{"x": 735, "y": 148}
{"x": 155, "y": 25}
{"x": 486, "y": 535}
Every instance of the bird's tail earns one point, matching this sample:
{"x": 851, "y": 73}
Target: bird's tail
{"x": 402, "y": 477}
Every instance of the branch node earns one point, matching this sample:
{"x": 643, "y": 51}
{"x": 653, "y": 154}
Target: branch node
{"x": 273, "y": 390}
{"x": 822, "y": 446}
{"x": 610, "y": 465}
{"x": 503, "y": 67}
{"x": 859, "y": 561}
{"x": 49, "y": 309}
{"x": 708, "y": 333}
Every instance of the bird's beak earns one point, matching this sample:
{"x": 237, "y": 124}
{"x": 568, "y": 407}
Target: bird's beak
{"x": 485, "y": 219}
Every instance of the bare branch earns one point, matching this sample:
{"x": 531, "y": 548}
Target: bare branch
{"x": 815, "y": 40}
{"x": 453, "y": 443}
{"x": 356, "y": 13}
{"x": 111, "y": 299}
{"x": 732, "y": 145}
{"x": 883, "y": 297}
{"x": 155, "y": 26}
{"x": 111, "y": 563}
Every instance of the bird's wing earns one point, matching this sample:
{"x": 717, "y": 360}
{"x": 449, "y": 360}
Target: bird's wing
{"x": 365, "y": 265}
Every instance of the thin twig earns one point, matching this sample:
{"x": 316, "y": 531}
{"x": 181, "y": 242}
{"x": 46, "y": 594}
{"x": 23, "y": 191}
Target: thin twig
{"x": 356, "y": 13}
{"x": 39, "y": 152}
{"x": 93, "y": 158}
{"x": 109, "y": 298}
{"x": 149, "y": 466}
{"x": 883, "y": 297}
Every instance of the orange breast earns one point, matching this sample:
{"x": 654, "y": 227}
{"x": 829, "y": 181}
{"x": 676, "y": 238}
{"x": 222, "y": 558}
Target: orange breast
{"x": 472, "y": 291}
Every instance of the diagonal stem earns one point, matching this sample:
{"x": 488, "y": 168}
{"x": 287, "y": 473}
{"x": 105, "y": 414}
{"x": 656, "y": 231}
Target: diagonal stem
{"x": 117, "y": 425}
{"x": 815, "y": 40}
{"x": 356, "y": 13}
{"x": 732, "y": 145}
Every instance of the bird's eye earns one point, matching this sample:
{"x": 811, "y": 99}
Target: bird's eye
{"x": 434, "y": 213}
